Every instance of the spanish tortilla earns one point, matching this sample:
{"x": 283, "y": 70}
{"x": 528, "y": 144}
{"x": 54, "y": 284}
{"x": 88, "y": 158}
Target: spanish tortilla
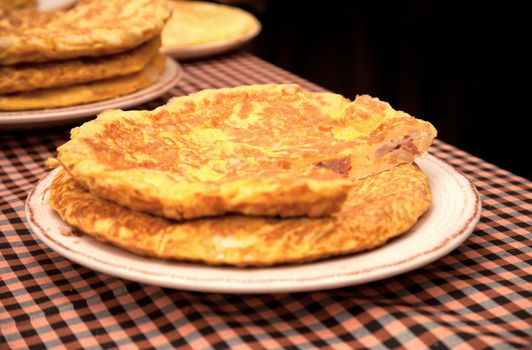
{"x": 90, "y": 28}
{"x": 378, "y": 208}
{"x": 87, "y": 92}
{"x": 255, "y": 150}
{"x": 35, "y": 76}
{"x": 10, "y": 5}
{"x": 194, "y": 23}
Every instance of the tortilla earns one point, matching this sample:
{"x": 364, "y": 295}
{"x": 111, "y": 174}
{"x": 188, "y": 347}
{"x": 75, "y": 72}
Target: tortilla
{"x": 195, "y": 23}
{"x": 36, "y": 76}
{"x": 91, "y": 28}
{"x": 87, "y": 92}
{"x": 378, "y": 208}
{"x": 255, "y": 150}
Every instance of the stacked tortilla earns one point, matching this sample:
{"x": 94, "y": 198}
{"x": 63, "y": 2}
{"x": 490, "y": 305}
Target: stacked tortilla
{"x": 249, "y": 176}
{"x": 94, "y": 51}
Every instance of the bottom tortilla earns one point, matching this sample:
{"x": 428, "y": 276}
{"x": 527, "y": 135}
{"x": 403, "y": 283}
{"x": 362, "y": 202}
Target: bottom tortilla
{"x": 85, "y": 93}
{"x": 378, "y": 208}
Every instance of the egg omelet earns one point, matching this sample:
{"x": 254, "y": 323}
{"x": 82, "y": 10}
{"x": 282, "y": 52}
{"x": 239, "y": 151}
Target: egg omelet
{"x": 86, "y": 92}
{"x": 90, "y": 28}
{"x": 10, "y": 5}
{"x": 268, "y": 150}
{"x": 35, "y": 76}
{"x": 378, "y": 208}
{"x": 196, "y": 23}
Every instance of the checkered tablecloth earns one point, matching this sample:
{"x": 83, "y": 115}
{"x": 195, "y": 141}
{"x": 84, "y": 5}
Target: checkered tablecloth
{"x": 477, "y": 297}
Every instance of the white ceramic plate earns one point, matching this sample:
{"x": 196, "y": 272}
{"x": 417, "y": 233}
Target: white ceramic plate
{"x": 208, "y": 49}
{"x": 55, "y": 116}
{"x": 452, "y": 217}
{"x": 48, "y": 5}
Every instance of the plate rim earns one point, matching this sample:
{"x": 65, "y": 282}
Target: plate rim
{"x": 269, "y": 285}
{"x": 172, "y": 73}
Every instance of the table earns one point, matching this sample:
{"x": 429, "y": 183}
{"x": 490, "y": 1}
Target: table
{"x": 477, "y": 297}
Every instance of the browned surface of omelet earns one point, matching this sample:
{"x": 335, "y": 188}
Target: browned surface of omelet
{"x": 34, "y": 76}
{"x": 85, "y": 93}
{"x": 9, "y": 5}
{"x": 378, "y": 208}
{"x": 251, "y": 150}
{"x": 91, "y": 28}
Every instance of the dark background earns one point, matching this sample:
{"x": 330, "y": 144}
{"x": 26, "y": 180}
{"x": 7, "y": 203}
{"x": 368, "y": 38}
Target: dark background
{"x": 458, "y": 64}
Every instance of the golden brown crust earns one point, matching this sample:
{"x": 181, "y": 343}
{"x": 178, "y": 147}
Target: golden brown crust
{"x": 250, "y": 149}
{"x": 85, "y": 93}
{"x": 34, "y": 76}
{"x": 51, "y": 163}
{"x": 9, "y": 5}
{"x": 379, "y": 208}
{"x": 91, "y": 28}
